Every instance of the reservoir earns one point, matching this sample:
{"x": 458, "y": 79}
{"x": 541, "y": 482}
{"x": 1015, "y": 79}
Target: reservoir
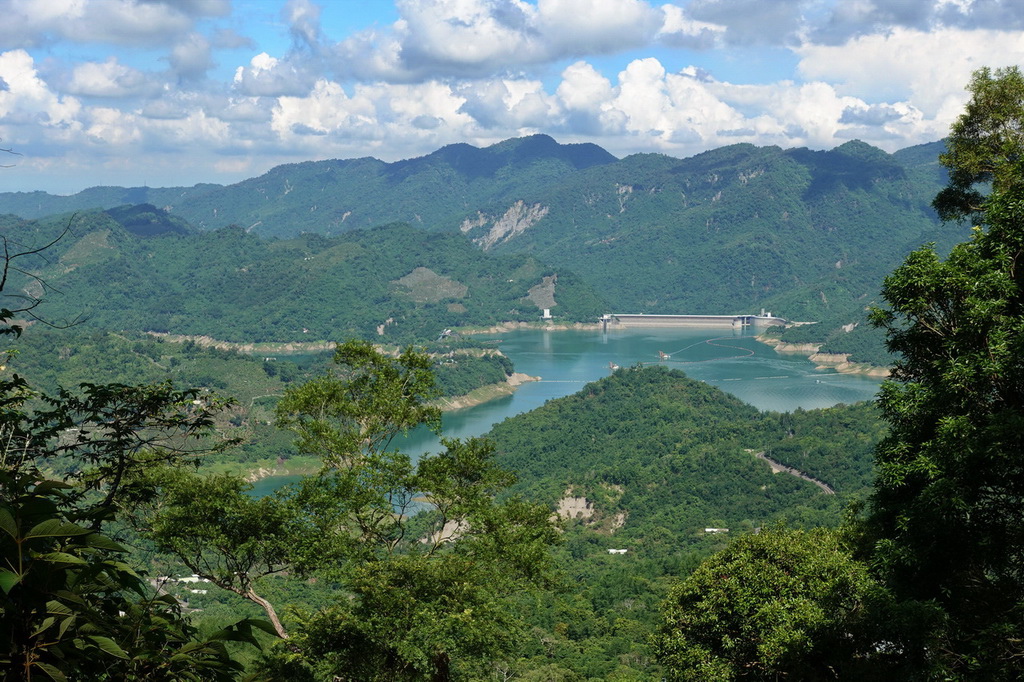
{"x": 732, "y": 360}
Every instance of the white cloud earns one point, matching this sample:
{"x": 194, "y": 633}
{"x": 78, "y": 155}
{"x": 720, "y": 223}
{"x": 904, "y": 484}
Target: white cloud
{"x": 481, "y": 38}
{"x": 303, "y": 18}
{"x": 326, "y": 109}
{"x": 388, "y": 114}
{"x": 462, "y": 35}
{"x": 27, "y": 96}
{"x": 120, "y": 22}
{"x": 577, "y": 27}
{"x": 407, "y": 102}
{"x": 270, "y": 77}
{"x": 191, "y": 57}
{"x": 517, "y": 106}
{"x": 248, "y": 109}
{"x": 195, "y": 131}
{"x": 687, "y": 112}
{"x": 680, "y": 30}
{"x": 583, "y": 87}
{"x": 672, "y": 112}
{"x": 108, "y": 79}
{"x": 752, "y": 22}
{"x": 195, "y": 8}
{"x": 111, "y": 128}
{"x": 928, "y": 69}
{"x": 849, "y": 19}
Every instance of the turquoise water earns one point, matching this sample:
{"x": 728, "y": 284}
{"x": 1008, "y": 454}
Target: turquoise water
{"x": 737, "y": 363}
{"x": 567, "y": 360}
{"x": 267, "y": 485}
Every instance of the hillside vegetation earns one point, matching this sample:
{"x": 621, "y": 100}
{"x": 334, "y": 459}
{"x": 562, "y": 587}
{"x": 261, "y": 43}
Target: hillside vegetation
{"x": 805, "y": 234}
{"x": 649, "y": 526}
{"x": 393, "y": 283}
{"x": 647, "y": 460}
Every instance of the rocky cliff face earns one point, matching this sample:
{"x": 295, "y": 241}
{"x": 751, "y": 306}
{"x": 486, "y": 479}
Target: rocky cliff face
{"x": 516, "y": 220}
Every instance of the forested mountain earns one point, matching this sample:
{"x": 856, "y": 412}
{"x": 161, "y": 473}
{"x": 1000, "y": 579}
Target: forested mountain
{"x": 646, "y": 460}
{"x": 329, "y": 197}
{"x": 663, "y": 452}
{"x": 140, "y": 269}
{"x": 805, "y": 234}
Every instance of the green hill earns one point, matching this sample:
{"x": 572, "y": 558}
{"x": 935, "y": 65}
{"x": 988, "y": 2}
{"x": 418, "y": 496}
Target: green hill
{"x": 806, "y": 234}
{"x": 646, "y": 461}
{"x": 670, "y": 456}
{"x": 395, "y": 283}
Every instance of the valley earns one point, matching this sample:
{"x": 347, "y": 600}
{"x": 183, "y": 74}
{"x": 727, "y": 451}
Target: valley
{"x": 659, "y": 444}
{"x": 806, "y": 233}
{"x": 511, "y": 341}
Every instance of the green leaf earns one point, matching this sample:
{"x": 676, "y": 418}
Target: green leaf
{"x": 64, "y": 625}
{"x": 53, "y": 672}
{"x": 261, "y": 624}
{"x": 8, "y": 579}
{"x": 108, "y": 645}
{"x": 8, "y": 524}
{"x": 47, "y": 486}
{"x": 69, "y": 596}
{"x": 56, "y": 607}
{"x": 100, "y": 541}
{"x": 55, "y": 528}
{"x": 60, "y": 558}
{"x": 46, "y": 623}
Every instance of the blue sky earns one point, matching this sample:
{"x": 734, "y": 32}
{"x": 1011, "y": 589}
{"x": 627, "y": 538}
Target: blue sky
{"x": 176, "y": 92}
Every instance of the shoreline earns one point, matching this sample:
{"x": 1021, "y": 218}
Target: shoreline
{"x": 302, "y": 466}
{"x": 513, "y": 326}
{"x": 485, "y": 394}
{"x": 251, "y": 472}
{"x": 279, "y": 347}
{"x": 840, "y": 362}
{"x": 477, "y": 396}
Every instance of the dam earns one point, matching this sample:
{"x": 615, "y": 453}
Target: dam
{"x": 635, "y": 320}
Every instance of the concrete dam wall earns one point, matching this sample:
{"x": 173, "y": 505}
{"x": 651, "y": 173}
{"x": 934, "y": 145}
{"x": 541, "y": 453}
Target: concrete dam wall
{"x": 631, "y": 320}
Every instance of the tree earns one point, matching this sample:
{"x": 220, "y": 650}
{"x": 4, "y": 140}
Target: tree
{"x": 70, "y": 605}
{"x": 221, "y": 533}
{"x": 430, "y": 560}
{"x": 777, "y": 604}
{"x": 948, "y": 508}
{"x": 985, "y": 142}
{"x": 72, "y": 608}
{"x": 356, "y": 414}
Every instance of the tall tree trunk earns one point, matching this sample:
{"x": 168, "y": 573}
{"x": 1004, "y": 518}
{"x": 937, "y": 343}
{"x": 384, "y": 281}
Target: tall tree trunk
{"x": 251, "y": 595}
{"x": 442, "y": 668}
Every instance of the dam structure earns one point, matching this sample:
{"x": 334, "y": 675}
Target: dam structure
{"x": 634, "y": 320}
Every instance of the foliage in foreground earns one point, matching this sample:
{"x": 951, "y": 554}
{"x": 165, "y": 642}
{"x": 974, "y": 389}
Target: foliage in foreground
{"x": 948, "y": 511}
{"x": 427, "y": 563}
{"x": 945, "y": 529}
{"x": 779, "y": 603}
{"x": 71, "y": 607}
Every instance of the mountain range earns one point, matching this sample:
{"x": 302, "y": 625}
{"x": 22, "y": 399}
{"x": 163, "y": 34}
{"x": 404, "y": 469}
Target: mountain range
{"x": 806, "y": 234}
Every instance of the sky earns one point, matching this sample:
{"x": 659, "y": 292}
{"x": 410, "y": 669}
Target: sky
{"x": 166, "y": 93}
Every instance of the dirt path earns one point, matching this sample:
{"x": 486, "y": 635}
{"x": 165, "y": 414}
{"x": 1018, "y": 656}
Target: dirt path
{"x": 778, "y": 467}
{"x": 261, "y": 348}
